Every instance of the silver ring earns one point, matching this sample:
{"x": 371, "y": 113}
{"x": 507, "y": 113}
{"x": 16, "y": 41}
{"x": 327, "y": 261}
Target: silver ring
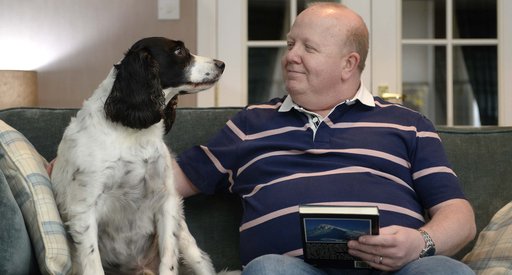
{"x": 380, "y": 259}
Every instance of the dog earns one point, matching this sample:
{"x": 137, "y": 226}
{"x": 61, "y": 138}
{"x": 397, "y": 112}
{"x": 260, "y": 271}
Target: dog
{"x": 112, "y": 178}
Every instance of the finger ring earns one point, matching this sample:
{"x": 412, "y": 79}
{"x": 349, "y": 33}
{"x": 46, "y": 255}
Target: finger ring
{"x": 378, "y": 260}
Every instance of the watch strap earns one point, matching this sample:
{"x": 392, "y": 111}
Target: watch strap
{"x": 430, "y": 247}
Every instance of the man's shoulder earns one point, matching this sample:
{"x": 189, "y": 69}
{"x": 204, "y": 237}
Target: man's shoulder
{"x": 401, "y": 109}
{"x": 389, "y": 112}
{"x": 273, "y": 104}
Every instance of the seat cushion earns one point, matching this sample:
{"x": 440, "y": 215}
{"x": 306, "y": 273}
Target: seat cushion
{"x": 25, "y": 173}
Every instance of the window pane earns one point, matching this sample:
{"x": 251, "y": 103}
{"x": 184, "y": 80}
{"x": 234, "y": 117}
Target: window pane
{"x": 265, "y": 75}
{"x": 423, "y": 19}
{"x": 475, "y": 89}
{"x": 474, "y": 19}
{"x": 303, "y": 4}
{"x": 424, "y": 80}
{"x": 268, "y": 19}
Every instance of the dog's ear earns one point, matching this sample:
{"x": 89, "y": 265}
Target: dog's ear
{"x": 136, "y": 99}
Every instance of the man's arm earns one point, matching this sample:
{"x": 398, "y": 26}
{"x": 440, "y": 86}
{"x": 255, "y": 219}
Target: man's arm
{"x": 183, "y": 185}
{"x": 452, "y": 226}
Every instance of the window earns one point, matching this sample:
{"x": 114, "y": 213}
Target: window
{"x": 449, "y": 60}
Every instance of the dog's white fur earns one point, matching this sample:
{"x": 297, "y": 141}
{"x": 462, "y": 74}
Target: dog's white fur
{"x": 117, "y": 182}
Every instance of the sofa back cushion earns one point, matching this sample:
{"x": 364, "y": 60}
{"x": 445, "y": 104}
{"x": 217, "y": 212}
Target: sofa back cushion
{"x": 481, "y": 157}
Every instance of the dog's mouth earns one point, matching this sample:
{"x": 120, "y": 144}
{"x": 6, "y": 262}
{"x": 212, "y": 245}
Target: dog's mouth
{"x": 194, "y": 87}
{"x": 189, "y": 88}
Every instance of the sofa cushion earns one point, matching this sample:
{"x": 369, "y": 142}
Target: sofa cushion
{"x": 16, "y": 255}
{"x": 492, "y": 253}
{"x": 25, "y": 172}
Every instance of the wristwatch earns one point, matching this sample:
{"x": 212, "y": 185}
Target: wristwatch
{"x": 430, "y": 247}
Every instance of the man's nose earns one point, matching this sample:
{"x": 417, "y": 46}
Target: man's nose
{"x": 293, "y": 55}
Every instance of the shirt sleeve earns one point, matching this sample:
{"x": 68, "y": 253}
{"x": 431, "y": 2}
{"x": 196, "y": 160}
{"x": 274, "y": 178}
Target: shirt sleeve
{"x": 432, "y": 174}
{"x": 210, "y": 167}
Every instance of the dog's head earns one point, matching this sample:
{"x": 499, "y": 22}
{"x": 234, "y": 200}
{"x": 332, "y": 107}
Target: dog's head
{"x": 152, "y": 74}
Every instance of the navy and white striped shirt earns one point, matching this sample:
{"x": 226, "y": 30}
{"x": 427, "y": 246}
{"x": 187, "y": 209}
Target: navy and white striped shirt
{"x": 362, "y": 153}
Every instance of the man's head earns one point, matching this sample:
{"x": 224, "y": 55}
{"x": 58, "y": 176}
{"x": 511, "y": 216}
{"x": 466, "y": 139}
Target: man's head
{"x": 327, "y": 48}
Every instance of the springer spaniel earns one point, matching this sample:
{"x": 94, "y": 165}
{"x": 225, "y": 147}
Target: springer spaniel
{"x": 113, "y": 179}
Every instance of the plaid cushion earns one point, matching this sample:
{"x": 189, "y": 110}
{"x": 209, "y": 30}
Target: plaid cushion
{"x": 28, "y": 180}
{"x": 492, "y": 253}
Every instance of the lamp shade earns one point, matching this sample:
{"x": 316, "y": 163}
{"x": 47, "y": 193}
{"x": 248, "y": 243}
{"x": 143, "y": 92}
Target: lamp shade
{"x": 18, "y": 88}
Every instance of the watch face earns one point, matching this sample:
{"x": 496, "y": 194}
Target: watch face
{"x": 430, "y": 251}
{"x": 430, "y": 247}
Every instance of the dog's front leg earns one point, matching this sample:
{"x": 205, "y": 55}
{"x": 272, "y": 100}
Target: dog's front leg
{"x": 83, "y": 229}
{"x": 193, "y": 256}
{"x": 167, "y": 227}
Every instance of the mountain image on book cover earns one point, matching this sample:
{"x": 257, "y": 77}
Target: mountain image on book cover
{"x": 329, "y": 233}
{"x": 326, "y": 231}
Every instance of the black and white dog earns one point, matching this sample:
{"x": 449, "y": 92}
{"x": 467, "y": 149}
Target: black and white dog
{"x": 113, "y": 179}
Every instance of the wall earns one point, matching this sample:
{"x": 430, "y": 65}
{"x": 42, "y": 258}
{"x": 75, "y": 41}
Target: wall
{"x": 73, "y": 44}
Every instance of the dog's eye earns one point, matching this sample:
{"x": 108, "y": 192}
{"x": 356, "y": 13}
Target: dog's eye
{"x": 180, "y": 52}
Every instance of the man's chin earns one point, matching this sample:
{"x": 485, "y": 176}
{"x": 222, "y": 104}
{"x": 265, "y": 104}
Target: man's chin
{"x": 294, "y": 92}
{"x": 294, "y": 87}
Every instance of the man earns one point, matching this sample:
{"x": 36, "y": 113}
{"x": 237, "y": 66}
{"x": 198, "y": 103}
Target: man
{"x": 331, "y": 141}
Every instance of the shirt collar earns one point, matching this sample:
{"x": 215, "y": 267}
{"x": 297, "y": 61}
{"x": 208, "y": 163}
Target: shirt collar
{"x": 363, "y": 95}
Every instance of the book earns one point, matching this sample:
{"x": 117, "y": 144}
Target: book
{"x": 326, "y": 231}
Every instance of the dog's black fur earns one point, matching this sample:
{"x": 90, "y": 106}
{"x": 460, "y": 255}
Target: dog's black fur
{"x": 151, "y": 65}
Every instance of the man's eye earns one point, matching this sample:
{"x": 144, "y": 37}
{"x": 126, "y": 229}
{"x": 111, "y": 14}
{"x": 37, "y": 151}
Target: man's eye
{"x": 309, "y": 48}
{"x": 289, "y": 45}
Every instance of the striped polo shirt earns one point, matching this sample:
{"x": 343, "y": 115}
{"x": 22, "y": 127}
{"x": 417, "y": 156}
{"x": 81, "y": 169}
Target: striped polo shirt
{"x": 276, "y": 156}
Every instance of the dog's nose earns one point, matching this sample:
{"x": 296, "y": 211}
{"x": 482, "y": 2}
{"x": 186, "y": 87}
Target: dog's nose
{"x": 220, "y": 65}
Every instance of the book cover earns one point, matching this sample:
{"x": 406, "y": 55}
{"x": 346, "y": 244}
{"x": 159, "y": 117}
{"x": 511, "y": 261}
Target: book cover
{"x": 326, "y": 231}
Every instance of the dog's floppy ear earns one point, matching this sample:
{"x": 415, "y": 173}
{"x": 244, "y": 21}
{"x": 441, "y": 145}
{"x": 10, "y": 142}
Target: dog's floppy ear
{"x": 136, "y": 99}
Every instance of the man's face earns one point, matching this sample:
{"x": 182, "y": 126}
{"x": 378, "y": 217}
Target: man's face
{"x": 313, "y": 63}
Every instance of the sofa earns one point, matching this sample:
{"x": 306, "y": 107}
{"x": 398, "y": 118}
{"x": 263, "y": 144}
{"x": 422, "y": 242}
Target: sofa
{"x": 481, "y": 157}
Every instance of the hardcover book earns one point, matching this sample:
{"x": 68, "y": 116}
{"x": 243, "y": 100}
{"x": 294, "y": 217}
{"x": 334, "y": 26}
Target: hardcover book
{"x": 326, "y": 231}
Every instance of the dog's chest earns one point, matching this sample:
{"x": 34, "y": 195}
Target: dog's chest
{"x": 136, "y": 183}
{"x": 126, "y": 208}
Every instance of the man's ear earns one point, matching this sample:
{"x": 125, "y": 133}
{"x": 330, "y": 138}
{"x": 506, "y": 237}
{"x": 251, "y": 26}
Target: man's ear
{"x": 350, "y": 65}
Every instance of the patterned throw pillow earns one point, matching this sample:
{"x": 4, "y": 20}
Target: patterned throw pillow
{"x": 492, "y": 253}
{"x": 28, "y": 180}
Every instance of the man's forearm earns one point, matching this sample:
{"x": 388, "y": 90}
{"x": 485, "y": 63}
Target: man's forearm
{"x": 452, "y": 226}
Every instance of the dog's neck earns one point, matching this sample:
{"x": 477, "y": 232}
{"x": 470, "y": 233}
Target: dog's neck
{"x": 101, "y": 93}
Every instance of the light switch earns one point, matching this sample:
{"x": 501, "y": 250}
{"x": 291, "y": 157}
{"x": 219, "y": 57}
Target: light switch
{"x": 168, "y": 9}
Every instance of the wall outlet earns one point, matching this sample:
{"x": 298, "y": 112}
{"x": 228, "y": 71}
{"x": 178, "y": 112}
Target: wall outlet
{"x": 168, "y": 9}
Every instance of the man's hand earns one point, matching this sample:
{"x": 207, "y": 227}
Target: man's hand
{"x": 394, "y": 247}
{"x": 451, "y": 226}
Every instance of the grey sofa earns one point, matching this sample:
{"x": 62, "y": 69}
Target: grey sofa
{"x": 482, "y": 158}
